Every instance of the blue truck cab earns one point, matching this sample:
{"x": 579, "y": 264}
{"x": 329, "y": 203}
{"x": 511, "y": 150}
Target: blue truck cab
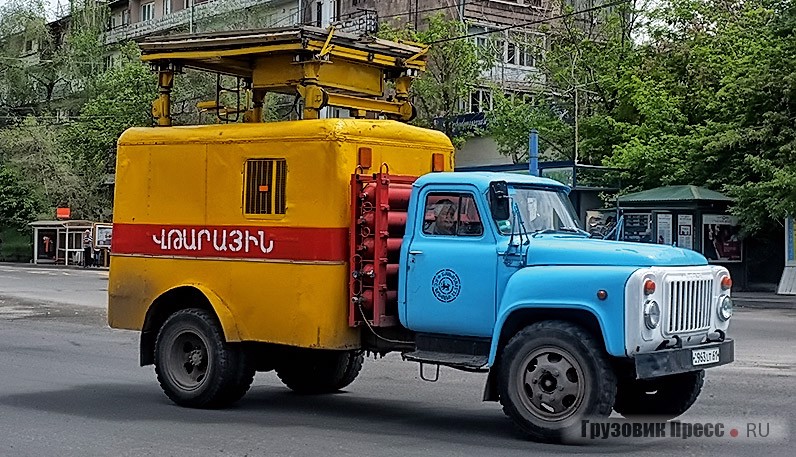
{"x": 496, "y": 275}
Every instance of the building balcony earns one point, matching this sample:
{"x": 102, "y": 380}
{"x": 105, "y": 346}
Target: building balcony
{"x": 198, "y": 13}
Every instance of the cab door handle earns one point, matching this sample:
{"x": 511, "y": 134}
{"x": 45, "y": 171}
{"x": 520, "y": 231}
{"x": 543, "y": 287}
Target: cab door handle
{"x": 415, "y": 252}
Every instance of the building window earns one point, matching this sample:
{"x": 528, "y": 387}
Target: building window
{"x": 511, "y": 52}
{"x": 126, "y": 17}
{"x": 166, "y": 7}
{"x": 147, "y": 11}
{"x": 318, "y": 14}
{"x": 480, "y": 100}
{"x": 265, "y": 186}
{"x": 29, "y": 46}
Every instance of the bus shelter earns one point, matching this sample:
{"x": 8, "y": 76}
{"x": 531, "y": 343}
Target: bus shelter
{"x": 59, "y": 242}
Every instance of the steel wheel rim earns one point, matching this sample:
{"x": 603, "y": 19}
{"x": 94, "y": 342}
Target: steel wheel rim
{"x": 550, "y": 383}
{"x": 188, "y": 360}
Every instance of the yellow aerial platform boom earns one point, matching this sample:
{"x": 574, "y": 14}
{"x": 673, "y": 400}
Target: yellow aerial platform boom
{"x": 324, "y": 67}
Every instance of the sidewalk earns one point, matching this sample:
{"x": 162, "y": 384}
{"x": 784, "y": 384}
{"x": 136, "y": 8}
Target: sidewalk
{"x": 763, "y": 300}
{"x": 51, "y": 266}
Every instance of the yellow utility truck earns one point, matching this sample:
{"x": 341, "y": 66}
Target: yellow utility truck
{"x": 297, "y": 246}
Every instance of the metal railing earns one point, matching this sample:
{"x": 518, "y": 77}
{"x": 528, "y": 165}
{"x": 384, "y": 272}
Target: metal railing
{"x": 185, "y": 16}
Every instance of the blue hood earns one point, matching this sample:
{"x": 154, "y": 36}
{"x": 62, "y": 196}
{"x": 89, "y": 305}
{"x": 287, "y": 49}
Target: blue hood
{"x": 557, "y": 249}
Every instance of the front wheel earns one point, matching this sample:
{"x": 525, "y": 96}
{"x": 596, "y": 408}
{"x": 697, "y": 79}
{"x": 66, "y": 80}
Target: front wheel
{"x": 552, "y": 375}
{"x": 665, "y": 398}
{"x": 195, "y": 366}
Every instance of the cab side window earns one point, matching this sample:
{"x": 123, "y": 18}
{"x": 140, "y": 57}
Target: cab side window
{"x": 451, "y": 214}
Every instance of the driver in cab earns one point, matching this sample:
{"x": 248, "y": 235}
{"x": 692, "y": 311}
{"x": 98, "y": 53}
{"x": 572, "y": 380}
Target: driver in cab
{"x": 445, "y": 219}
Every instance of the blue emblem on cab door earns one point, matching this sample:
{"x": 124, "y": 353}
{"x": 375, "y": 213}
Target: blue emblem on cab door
{"x": 446, "y": 286}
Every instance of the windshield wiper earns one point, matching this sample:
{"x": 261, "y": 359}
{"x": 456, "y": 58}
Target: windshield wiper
{"x": 562, "y": 229}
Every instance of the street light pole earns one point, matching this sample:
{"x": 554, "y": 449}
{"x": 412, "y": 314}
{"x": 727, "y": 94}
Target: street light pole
{"x": 190, "y": 26}
{"x": 576, "y": 125}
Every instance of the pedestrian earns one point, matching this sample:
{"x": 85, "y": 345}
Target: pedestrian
{"x": 88, "y": 249}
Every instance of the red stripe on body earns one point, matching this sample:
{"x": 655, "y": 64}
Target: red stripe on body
{"x": 233, "y": 241}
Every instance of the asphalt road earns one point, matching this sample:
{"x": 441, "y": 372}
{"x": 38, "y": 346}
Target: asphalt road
{"x": 70, "y": 386}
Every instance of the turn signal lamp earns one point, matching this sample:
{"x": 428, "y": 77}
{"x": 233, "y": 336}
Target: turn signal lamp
{"x": 726, "y": 283}
{"x": 649, "y": 287}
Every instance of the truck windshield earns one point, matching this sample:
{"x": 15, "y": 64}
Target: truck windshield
{"x": 541, "y": 210}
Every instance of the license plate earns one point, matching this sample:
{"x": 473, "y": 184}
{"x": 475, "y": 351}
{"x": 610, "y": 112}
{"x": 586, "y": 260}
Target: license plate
{"x": 705, "y": 356}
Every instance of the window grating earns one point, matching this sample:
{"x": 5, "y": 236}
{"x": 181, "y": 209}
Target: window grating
{"x": 265, "y": 186}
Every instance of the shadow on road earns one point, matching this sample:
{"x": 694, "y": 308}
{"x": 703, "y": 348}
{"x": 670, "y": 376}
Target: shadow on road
{"x": 274, "y": 407}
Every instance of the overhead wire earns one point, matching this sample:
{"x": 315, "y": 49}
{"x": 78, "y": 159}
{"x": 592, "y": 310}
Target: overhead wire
{"x": 534, "y": 22}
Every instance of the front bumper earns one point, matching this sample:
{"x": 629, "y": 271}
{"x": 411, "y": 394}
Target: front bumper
{"x": 673, "y": 361}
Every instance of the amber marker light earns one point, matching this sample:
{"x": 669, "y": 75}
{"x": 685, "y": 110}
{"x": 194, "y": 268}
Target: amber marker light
{"x": 437, "y": 162}
{"x": 726, "y": 283}
{"x": 649, "y": 287}
{"x": 602, "y": 294}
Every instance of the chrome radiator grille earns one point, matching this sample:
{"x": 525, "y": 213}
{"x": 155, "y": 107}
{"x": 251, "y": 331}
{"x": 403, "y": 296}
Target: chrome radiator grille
{"x": 688, "y": 305}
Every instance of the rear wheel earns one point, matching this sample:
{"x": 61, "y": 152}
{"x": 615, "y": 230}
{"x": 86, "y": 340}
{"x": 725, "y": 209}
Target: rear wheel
{"x": 552, "y": 375}
{"x": 318, "y": 371}
{"x": 665, "y": 398}
{"x": 195, "y": 366}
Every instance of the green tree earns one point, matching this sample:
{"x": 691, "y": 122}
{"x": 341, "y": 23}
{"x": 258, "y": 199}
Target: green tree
{"x": 28, "y": 58}
{"x": 453, "y": 71}
{"x": 121, "y": 98}
{"x": 512, "y": 119}
{"x": 702, "y": 94}
{"x": 19, "y": 203}
{"x": 34, "y": 151}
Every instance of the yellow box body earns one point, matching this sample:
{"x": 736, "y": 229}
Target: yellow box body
{"x": 177, "y": 185}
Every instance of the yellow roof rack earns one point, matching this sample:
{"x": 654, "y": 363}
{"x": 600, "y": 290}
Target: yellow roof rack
{"x": 324, "y": 66}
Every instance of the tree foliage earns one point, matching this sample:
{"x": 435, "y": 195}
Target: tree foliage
{"x": 454, "y": 69}
{"x": 19, "y": 203}
{"x": 683, "y": 92}
{"x": 512, "y": 119}
{"x": 28, "y": 58}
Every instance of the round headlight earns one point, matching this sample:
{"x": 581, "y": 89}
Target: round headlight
{"x": 725, "y": 307}
{"x": 652, "y": 314}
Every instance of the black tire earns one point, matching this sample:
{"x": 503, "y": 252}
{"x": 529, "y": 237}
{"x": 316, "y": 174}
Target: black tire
{"x": 567, "y": 367}
{"x": 664, "y": 398}
{"x": 195, "y": 367}
{"x": 318, "y": 371}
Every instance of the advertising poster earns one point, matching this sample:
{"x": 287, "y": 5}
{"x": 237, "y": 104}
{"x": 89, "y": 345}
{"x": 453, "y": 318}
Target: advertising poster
{"x": 638, "y": 228}
{"x": 720, "y": 238}
{"x": 685, "y": 231}
{"x": 103, "y": 235}
{"x": 664, "y": 229}
{"x": 46, "y": 244}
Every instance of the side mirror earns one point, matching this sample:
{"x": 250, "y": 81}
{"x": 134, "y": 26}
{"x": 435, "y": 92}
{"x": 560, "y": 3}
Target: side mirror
{"x": 499, "y": 198}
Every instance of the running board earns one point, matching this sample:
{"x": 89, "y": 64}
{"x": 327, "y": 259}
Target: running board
{"x": 465, "y": 362}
